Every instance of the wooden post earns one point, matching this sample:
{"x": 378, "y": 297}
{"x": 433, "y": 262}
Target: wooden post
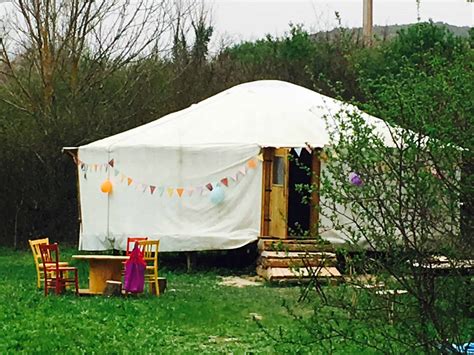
{"x": 190, "y": 260}
{"x": 367, "y": 22}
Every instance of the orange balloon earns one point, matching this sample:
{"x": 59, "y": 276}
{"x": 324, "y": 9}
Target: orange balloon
{"x": 252, "y": 164}
{"x": 106, "y": 187}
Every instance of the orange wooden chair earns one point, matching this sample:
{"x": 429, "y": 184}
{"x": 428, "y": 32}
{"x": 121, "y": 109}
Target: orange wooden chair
{"x": 150, "y": 255}
{"x": 56, "y": 276}
{"x": 34, "y": 245}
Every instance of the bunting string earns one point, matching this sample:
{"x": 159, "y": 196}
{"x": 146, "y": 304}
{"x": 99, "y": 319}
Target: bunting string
{"x": 166, "y": 190}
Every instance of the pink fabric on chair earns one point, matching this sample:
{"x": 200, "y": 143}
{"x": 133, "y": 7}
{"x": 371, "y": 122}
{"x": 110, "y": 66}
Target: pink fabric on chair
{"x": 135, "y": 272}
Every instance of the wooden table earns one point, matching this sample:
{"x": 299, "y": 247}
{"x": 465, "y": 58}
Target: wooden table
{"x": 101, "y": 269}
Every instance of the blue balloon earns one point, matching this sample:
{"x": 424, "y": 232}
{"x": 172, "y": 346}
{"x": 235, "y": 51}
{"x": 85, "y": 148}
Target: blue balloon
{"x": 217, "y": 195}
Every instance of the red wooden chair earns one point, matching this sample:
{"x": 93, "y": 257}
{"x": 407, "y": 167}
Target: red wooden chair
{"x": 131, "y": 243}
{"x": 55, "y": 275}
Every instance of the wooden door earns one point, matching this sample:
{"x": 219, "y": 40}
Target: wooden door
{"x": 279, "y": 194}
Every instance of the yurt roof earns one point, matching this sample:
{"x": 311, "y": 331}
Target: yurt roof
{"x": 268, "y": 113}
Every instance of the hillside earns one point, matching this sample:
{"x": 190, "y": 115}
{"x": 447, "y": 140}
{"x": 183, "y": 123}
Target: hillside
{"x": 386, "y": 32}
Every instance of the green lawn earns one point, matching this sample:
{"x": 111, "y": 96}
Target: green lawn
{"x": 195, "y": 314}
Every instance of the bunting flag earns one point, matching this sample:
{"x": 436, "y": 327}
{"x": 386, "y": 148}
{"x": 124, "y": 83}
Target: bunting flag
{"x": 200, "y": 190}
{"x": 298, "y": 151}
{"x": 161, "y": 190}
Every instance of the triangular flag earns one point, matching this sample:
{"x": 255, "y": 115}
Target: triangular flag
{"x": 170, "y": 190}
{"x": 161, "y": 189}
{"x": 122, "y": 177}
{"x": 180, "y": 191}
{"x": 152, "y": 189}
{"x": 235, "y": 177}
{"x": 225, "y": 182}
{"x": 111, "y": 163}
{"x": 298, "y": 151}
{"x": 200, "y": 189}
{"x": 242, "y": 170}
{"x": 129, "y": 181}
{"x": 116, "y": 172}
{"x": 144, "y": 187}
{"x": 260, "y": 157}
{"x": 209, "y": 187}
{"x": 190, "y": 191}
{"x": 83, "y": 166}
{"x": 95, "y": 167}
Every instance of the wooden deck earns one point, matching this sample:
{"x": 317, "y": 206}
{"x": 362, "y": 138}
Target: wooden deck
{"x": 296, "y": 259}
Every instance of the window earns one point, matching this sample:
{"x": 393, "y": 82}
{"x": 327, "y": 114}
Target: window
{"x": 278, "y": 170}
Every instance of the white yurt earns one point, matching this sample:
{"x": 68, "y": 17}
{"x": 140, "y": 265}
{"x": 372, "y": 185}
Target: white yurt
{"x": 210, "y": 177}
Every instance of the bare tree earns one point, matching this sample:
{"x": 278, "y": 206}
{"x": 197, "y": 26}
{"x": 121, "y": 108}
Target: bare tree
{"x": 48, "y": 39}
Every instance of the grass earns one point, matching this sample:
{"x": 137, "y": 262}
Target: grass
{"x": 195, "y": 314}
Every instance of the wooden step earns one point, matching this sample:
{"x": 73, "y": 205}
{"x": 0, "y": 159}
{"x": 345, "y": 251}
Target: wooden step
{"x": 311, "y": 245}
{"x": 297, "y": 255}
{"x": 289, "y": 262}
{"x": 276, "y": 274}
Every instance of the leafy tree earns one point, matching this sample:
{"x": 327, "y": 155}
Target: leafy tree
{"x": 402, "y": 197}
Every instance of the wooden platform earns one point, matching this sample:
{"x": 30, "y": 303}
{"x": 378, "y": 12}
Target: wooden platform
{"x": 296, "y": 259}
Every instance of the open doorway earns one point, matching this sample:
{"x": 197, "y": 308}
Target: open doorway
{"x": 299, "y": 212}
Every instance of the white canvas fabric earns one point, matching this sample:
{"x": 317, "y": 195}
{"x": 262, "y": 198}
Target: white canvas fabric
{"x": 189, "y": 149}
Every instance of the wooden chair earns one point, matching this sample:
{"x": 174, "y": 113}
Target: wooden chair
{"x": 56, "y": 276}
{"x": 34, "y": 245}
{"x": 131, "y": 243}
{"x": 150, "y": 255}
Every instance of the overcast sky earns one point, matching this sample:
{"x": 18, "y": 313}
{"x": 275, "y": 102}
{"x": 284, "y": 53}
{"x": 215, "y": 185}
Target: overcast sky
{"x": 237, "y": 20}
{"x": 251, "y": 19}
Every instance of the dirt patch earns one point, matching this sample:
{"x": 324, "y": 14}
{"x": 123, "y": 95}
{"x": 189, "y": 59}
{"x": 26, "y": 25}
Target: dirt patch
{"x": 241, "y": 281}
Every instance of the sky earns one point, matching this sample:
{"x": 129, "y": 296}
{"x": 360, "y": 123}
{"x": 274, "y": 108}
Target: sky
{"x": 252, "y": 19}
{"x": 239, "y": 20}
